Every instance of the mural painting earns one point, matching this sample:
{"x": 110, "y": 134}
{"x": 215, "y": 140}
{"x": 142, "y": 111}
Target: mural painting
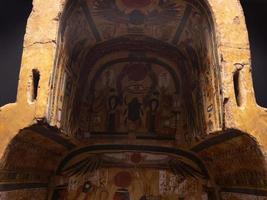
{"x": 136, "y": 96}
{"x": 132, "y": 184}
{"x": 22, "y": 145}
{"x": 128, "y": 176}
{"x": 241, "y": 162}
{"x": 138, "y": 18}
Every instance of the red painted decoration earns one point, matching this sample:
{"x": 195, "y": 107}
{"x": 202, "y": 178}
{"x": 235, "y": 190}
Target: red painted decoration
{"x": 136, "y": 3}
{"x": 136, "y": 158}
{"x": 123, "y": 179}
{"x": 137, "y": 72}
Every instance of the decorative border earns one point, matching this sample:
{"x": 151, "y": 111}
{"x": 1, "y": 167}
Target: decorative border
{"x": 21, "y": 186}
{"x": 127, "y": 147}
{"x": 52, "y": 135}
{"x": 249, "y": 191}
{"x": 222, "y": 137}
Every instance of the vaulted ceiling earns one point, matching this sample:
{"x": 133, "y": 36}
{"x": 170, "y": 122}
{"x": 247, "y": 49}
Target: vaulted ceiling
{"x": 147, "y": 68}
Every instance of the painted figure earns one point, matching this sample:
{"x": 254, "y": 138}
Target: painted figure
{"x": 133, "y": 113}
{"x": 153, "y": 107}
{"x": 113, "y": 102}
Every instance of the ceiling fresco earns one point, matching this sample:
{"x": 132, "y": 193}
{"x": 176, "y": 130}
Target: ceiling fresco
{"x": 172, "y": 21}
{"x": 110, "y": 19}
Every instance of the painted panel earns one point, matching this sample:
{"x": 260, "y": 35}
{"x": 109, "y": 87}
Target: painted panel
{"x": 131, "y": 184}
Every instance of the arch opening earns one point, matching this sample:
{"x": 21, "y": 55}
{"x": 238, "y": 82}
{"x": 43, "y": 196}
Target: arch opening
{"x": 148, "y": 71}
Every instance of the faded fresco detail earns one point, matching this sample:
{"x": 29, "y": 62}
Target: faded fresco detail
{"x": 36, "y": 158}
{"x": 236, "y": 196}
{"x": 145, "y": 18}
{"x": 30, "y": 194}
{"x": 133, "y": 96}
{"x": 131, "y": 184}
{"x": 27, "y": 167}
{"x": 247, "y": 163}
{"x": 140, "y": 176}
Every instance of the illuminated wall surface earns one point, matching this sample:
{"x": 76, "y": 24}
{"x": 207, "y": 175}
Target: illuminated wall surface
{"x": 134, "y": 100}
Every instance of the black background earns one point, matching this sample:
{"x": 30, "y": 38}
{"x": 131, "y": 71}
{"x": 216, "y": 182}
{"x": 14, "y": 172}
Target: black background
{"x": 13, "y": 18}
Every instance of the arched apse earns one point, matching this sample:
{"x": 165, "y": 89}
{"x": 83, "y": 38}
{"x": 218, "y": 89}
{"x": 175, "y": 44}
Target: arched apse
{"x": 170, "y": 51}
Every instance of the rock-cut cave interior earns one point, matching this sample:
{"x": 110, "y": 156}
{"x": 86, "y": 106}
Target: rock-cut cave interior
{"x": 134, "y": 111}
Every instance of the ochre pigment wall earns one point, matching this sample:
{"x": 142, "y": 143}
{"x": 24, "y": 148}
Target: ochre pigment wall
{"x": 39, "y": 52}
